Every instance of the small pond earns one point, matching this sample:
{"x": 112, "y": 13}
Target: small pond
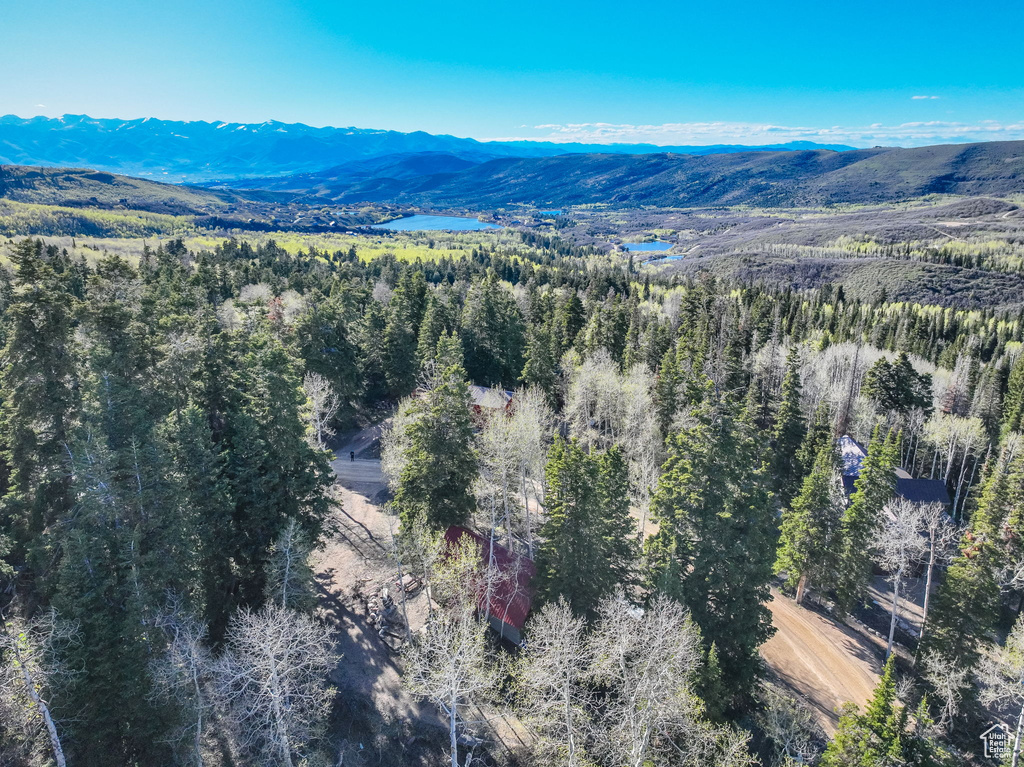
{"x": 663, "y": 259}
{"x": 419, "y": 223}
{"x": 641, "y": 247}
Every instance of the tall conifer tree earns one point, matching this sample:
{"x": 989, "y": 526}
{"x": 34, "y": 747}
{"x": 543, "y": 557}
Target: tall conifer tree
{"x": 588, "y": 539}
{"x": 788, "y": 433}
{"x": 716, "y": 541}
{"x": 809, "y": 544}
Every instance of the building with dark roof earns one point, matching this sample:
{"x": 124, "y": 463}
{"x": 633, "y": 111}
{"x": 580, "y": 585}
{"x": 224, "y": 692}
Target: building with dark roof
{"x": 852, "y": 456}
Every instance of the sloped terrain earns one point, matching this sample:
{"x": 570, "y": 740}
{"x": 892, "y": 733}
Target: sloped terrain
{"x": 72, "y": 187}
{"x": 765, "y": 179}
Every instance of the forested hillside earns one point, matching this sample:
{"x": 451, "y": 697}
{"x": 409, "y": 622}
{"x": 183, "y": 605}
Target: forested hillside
{"x": 663, "y": 461}
{"x": 768, "y": 179}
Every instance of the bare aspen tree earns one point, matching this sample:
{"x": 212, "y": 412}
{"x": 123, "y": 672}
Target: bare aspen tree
{"x": 322, "y": 403}
{"x": 552, "y": 673}
{"x": 399, "y": 553}
{"x": 835, "y": 375}
{"x": 648, "y": 660}
{"x": 592, "y": 401}
{"x": 957, "y": 445}
{"x": 913, "y": 425}
{"x": 898, "y": 545}
{"x": 948, "y": 680}
{"x": 941, "y": 536}
{"x": 789, "y": 722}
{"x": 183, "y": 676}
{"x": 394, "y": 442}
{"x": 532, "y": 424}
{"x": 289, "y": 575}
{"x": 1001, "y": 674}
{"x": 272, "y": 681}
{"x": 606, "y": 408}
{"x": 421, "y": 547}
{"x": 494, "y": 494}
{"x": 640, "y": 439}
{"x": 27, "y": 673}
{"x": 447, "y": 664}
{"x": 497, "y": 483}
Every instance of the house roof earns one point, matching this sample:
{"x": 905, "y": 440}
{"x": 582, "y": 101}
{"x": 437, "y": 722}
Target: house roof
{"x": 915, "y": 490}
{"x": 490, "y": 398}
{"x": 852, "y": 455}
{"x": 923, "y": 490}
{"x": 511, "y": 596}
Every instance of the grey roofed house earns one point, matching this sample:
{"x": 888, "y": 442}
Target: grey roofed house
{"x": 914, "y": 490}
{"x": 923, "y": 490}
{"x": 852, "y": 456}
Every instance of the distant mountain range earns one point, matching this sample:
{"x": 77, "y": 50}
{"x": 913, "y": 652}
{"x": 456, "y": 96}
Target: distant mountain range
{"x": 191, "y": 152}
{"x": 469, "y": 179}
{"x": 767, "y": 179}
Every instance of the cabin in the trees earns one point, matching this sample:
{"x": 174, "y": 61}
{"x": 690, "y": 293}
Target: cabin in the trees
{"x": 486, "y": 401}
{"x": 852, "y": 456}
{"x": 511, "y": 593}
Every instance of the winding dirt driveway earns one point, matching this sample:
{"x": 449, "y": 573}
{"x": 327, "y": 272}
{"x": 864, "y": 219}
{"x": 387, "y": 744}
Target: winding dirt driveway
{"x": 827, "y": 663}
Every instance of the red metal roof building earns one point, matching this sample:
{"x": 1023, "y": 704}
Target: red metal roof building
{"x": 511, "y": 594}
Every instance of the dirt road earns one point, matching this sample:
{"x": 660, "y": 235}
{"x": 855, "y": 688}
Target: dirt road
{"x": 825, "y": 662}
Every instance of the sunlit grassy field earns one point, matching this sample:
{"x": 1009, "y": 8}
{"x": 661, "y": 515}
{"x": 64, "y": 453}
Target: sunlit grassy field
{"x": 404, "y": 246}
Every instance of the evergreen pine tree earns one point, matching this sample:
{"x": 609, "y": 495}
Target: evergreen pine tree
{"x": 399, "y": 347}
{"x": 325, "y": 340}
{"x": 587, "y": 544}
{"x": 1013, "y": 402}
{"x": 788, "y": 433}
{"x": 569, "y": 321}
{"x": 273, "y": 474}
{"x": 198, "y": 471}
{"x": 880, "y": 736}
{"x": 436, "y": 483}
{"x": 39, "y": 402}
{"x": 873, "y": 738}
{"x": 435, "y": 323}
{"x": 494, "y": 335}
{"x": 666, "y": 391}
{"x": 617, "y": 527}
{"x": 818, "y": 436}
{"x": 809, "y": 543}
{"x": 373, "y": 361}
{"x": 540, "y": 369}
{"x": 715, "y": 545}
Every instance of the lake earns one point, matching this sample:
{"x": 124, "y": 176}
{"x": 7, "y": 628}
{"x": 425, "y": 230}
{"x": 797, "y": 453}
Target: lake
{"x": 663, "y": 259}
{"x": 420, "y": 223}
{"x": 647, "y": 246}
{"x": 549, "y": 212}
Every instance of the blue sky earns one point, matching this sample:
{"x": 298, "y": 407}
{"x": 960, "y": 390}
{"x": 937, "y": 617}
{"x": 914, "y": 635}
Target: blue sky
{"x": 862, "y": 73}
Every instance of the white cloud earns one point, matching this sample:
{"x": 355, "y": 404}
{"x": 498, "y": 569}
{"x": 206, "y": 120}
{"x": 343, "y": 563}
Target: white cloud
{"x": 41, "y": 106}
{"x": 705, "y": 133}
{"x": 919, "y": 98}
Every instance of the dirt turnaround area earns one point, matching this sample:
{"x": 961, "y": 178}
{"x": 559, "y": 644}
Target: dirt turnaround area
{"x": 826, "y": 663}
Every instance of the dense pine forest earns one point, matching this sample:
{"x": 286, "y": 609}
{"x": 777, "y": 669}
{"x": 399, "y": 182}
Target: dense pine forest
{"x": 668, "y": 459}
